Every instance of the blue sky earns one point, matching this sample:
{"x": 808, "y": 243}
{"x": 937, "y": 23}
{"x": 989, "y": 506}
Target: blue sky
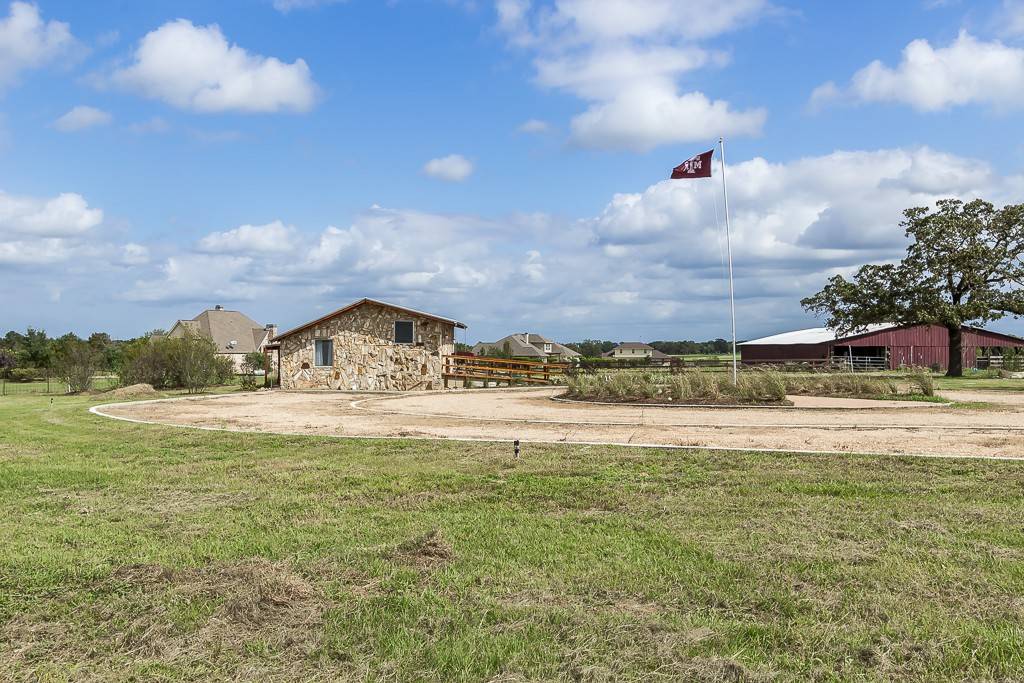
{"x": 501, "y": 162}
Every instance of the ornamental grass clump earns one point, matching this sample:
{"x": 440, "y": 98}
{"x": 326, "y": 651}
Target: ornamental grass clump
{"x": 848, "y": 384}
{"x": 688, "y": 386}
{"x": 923, "y": 382}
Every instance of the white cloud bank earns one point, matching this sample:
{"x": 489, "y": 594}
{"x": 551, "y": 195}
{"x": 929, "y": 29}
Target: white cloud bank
{"x": 38, "y": 231}
{"x": 28, "y": 42}
{"x": 967, "y": 71}
{"x": 651, "y": 263}
{"x": 82, "y": 117}
{"x": 453, "y": 168}
{"x": 625, "y": 58}
{"x": 194, "y": 67}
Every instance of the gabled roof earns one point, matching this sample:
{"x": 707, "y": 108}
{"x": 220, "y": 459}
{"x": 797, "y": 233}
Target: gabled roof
{"x": 633, "y": 345}
{"x": 528, "y": 345}
{"x": 231, "y": 331}
{"x": 360, "y": 302}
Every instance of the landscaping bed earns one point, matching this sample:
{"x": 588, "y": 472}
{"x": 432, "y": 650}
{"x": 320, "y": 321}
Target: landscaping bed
{"x": 764, "y": 387}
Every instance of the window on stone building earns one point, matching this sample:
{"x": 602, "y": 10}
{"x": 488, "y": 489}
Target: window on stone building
{"x": 403, "y": 332}
{"x": 324, "y": 356}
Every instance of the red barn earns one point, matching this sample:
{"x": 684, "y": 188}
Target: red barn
{"x": 879, "y": 346}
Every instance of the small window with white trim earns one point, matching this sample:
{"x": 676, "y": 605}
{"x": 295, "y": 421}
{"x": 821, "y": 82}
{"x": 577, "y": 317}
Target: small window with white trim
{"x": 404, "y": 332}
{"x": 324, "y": 353}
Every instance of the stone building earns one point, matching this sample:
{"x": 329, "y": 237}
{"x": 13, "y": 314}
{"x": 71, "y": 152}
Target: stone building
{"x": 368, "y": 345}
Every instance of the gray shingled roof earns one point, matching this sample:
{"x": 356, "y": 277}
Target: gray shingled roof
{"x": 224, "y": 327}
{"x": 527, "y": 345}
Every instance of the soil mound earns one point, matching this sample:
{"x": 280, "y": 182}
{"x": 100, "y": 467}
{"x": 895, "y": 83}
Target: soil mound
{"x": 134, "y": 391}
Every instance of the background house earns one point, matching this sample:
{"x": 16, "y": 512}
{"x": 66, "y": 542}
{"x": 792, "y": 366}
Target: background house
{"x": 635, "y": 350}
{"x": 367, "y": 345}
{"x": 234, "y": 333}
{"x": 526, "y": 345}
{"x": 879, "y": 346}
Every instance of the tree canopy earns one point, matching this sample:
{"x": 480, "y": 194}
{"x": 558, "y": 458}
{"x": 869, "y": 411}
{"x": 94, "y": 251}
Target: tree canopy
{"x": 964, "y": 265}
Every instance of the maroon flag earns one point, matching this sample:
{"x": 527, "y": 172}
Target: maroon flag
{"x": 694, "y": 167}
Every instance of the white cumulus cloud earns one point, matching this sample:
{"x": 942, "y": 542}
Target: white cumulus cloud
{"x": 29, "y": 42}
{"x": 195, "y": 67}
{"x": 967, "y": 71}
{"x": 82, "y": 117}
{"x": 42, "y": 231}
{"x": 453, "y": 168}
{"x": 272, "y": 237}
{"x": 65, "y": 215}
{"x": 625, "y": 58}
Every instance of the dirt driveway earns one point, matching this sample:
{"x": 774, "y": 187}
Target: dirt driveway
{"x": 531, "y": 415}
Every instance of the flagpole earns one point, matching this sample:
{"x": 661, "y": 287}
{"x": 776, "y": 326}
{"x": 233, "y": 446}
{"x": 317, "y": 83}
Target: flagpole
{"x": 728, "y": 243}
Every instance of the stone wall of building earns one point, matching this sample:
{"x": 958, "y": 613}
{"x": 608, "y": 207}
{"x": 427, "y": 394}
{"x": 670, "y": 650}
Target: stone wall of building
{"x": 366, "y": 356}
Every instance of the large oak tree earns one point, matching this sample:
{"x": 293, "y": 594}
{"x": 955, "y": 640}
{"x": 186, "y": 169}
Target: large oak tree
{"x": 964, "y": 266}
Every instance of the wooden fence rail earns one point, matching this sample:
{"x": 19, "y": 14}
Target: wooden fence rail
{"x": 501, "y": 371}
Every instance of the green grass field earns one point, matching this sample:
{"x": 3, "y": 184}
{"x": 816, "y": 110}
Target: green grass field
{"x": 980, "y": 383}
{"x": 134, "y": 552}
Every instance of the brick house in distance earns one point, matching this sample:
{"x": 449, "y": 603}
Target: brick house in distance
{"x": 368, "y": 345}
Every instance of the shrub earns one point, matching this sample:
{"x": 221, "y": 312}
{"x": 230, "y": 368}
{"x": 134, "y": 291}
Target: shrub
{"x": 223, "y": 371}
{"x": 24, "y": 374}
{"x": 253, "y": 363}
{"x": 190, "y": 362}
{"x": 148, "y": 361}
{"x": 76, "y": 364}
{"x": 194, "y": 361}
{"x": 923, "y": 382}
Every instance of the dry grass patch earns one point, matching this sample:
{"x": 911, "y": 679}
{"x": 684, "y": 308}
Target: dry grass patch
{"x": 425, "y": 550}
{"x": 196, "y": 618}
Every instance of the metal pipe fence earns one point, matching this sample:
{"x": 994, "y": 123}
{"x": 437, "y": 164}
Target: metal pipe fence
{"x": 48, "y": 385}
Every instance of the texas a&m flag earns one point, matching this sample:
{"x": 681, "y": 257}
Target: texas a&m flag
{"x": 694, "y": 167}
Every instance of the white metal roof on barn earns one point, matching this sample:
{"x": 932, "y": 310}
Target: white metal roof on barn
{"x": 813, "y": 335}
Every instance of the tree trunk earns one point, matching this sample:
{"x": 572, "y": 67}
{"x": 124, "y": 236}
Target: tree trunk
{"x": 956, "y": 353}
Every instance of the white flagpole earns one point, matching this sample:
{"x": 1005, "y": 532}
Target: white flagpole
{"x": 728, "y": 243}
